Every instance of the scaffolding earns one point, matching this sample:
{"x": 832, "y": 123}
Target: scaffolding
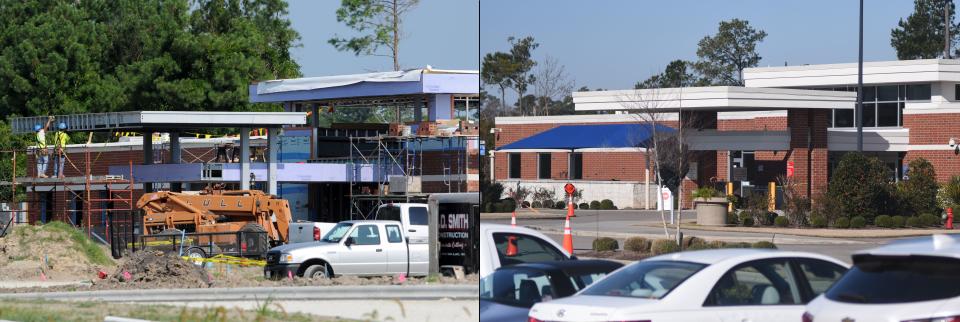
{"x": 90, "y": 202}
{"x": 402, "y": 157}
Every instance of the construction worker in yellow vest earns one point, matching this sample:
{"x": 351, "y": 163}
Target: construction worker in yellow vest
{"x": 60, "y": 141}
{"x": 42, "y": 154}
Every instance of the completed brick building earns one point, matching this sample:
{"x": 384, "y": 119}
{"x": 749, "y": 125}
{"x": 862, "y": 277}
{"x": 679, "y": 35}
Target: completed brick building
{"x": 797, "y": 116}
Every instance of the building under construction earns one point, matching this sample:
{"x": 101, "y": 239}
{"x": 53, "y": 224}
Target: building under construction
{"x": 328, "y": 171}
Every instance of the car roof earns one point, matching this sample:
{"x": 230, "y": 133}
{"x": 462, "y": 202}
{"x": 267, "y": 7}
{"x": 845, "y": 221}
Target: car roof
{"x": 941, "y": 245}
{"x": 371, "y": 221}
{"x": 575, "y": 267}
{"x": 713, "y": 256}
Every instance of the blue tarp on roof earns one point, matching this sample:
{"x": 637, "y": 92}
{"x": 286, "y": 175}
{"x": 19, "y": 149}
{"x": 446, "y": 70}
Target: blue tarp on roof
{"x": 569, "y": 137}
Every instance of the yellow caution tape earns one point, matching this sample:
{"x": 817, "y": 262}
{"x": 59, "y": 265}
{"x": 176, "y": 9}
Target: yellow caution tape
{"x": 224, "y": 259}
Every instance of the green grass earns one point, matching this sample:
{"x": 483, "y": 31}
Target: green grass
{"x": 93, "y": 252}
{"x": 46, "y": 310}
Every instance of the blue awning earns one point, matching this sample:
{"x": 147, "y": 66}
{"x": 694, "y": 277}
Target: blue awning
{"x": 570, "y": 137}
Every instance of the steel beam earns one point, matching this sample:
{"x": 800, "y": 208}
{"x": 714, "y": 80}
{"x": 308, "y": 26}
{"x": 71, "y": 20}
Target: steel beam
{"x": 244, "y": 158}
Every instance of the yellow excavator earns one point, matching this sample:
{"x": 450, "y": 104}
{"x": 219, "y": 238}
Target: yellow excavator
{"x": 218, "y": 213}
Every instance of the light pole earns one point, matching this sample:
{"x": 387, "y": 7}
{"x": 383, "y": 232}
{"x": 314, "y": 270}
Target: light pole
{"x": 859, "y": 107}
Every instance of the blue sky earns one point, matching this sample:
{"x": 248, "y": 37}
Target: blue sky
{"x": 613, "y": 44}
{"x": 440, "y": 33}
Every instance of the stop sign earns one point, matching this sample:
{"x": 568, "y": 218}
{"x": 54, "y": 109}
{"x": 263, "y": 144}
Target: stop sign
{"x": 569, "y": 188}
{"x": 789, "y": 168}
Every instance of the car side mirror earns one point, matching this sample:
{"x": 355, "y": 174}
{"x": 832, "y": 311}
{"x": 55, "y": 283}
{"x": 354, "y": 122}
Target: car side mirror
{"x": 349, "y": 241}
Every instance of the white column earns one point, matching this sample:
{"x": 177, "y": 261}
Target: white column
{"x": 493, "y": 176}
{"x": 273, "y": 144}
{"x": 244, "y": 158}
{"x": 646, "y": 188}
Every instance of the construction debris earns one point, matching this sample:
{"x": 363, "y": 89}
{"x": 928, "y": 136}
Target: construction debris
{"x": 156, "y": 269}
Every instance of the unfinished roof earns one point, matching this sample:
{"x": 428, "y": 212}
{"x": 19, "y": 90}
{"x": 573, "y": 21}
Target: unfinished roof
{"x": 715, "y": 98}
{"x": 380, "y": 85}
{"x": 163, "y": 120}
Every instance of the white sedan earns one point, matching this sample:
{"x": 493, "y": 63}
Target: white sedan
{"x": 708, "y": 285}
{"x": 914, "y": 280}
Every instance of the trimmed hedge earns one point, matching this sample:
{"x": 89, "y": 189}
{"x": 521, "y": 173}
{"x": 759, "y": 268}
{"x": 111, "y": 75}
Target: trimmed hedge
{"x": 594, "y": 204}
{"x": 605, "y": 243}
{"x": 928, "y": 220}
{"x": 764, "y": 244}
{"x": 912, "y": 222}
{"x": 536, "y": 204}
{"x": 701, "y": 246}
{"x": 746, "y": 218}
{"x": 690, "y": 240}
{"x": 607, "y": 204}
{"x": 664, "y": 246}
{"x": 584, "y": 205}
{"x": 898, "y": 221}
{"x": 731, "y": 218}
{"x": 738, "y": 245}
{"x": 858, "y": 222}
{"x": 818, "y": 222}
{"x": 884, "y": 221}
{"x": 842, "y": 222}
{"x": 637, "y": 244}
{"x": 548, "y": 204}
{"x": 781, "y": 221}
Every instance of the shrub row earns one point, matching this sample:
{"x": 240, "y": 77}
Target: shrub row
{"x": 664, "y": 246}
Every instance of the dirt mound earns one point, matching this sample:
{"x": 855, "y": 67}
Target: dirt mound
{"x": 156, "y": 269}
{"x": 55, "y": 251}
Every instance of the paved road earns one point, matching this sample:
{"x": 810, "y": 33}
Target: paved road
{"x": 373, "y": 302}
{"x": 619, "y": 224}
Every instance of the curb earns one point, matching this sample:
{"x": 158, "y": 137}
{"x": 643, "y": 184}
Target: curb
{"x": 297, "y": 293}
{"x": 775, "y": 238}
{"x": 817, "y": 232}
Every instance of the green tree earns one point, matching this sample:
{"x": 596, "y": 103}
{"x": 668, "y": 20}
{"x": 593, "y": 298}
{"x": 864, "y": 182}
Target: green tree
{"x": 381, "y": 20}
{"x": 722, "y": 57}
{"x": 496, "y": 70}
{"x": 921, "y": 36}
{"x": 859, "y": 183}
{"x": 520, "y": 76}
{"x": 918, "y": 193}
{"x": 678, "y": 73}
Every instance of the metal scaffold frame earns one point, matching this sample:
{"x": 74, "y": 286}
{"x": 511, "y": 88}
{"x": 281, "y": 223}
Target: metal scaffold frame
{"x": 97, "y": 211}
{"x": 402, "y": 156}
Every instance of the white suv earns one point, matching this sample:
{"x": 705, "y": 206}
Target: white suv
{"x": 915, "y": 280}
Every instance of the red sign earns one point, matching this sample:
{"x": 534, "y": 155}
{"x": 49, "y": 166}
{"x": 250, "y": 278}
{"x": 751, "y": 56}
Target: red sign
{"x": 666, "y": 195}
{"x": 569, "y": 188}
{"x": 789, "y": 168}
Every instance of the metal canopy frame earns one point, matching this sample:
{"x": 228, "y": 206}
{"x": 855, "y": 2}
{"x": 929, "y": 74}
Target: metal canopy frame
{"x": 162, "y": 120}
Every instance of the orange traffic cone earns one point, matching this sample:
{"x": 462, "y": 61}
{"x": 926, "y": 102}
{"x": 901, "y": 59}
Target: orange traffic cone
{"x": 567, "y": 237}
{"x": 513, "y": 219}
{"x": 511, "y": 246}
{"x": 570, "y": 209}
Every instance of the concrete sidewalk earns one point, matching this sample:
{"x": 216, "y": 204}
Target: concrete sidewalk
{"x": 816, "y": 232}
{"x": 776, "y": 238}
{"x": 528, "y": 213}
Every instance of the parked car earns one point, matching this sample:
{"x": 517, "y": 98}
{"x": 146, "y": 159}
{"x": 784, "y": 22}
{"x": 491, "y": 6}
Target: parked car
{"x": 707, "y": 285}
{"x": 915, "y": 279}
{"x": 508, "y": 293}
{"x": 354, "y": 247}
{"x": 531, "y": 246}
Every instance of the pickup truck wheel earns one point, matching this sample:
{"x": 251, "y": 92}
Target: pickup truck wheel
{"x": 315, "y": 271}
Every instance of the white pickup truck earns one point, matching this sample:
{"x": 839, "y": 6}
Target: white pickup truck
{"x": 413, "y": 216}
{"x": 354, "y": 247}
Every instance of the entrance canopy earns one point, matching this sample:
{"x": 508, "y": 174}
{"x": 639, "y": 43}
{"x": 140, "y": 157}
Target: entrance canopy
{"x": 712, "y": 99}
{"x": 599, "y": 136}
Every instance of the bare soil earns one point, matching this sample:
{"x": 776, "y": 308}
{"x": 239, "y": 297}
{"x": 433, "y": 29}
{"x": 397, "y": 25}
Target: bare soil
{"x": 155, "y": 269}
{"x": 53, "y": 252}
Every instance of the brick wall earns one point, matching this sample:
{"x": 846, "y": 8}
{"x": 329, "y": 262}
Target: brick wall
{"x": 932, "y": 128}
{"x": 799, "y": 121}
{"x": 777, "y": 123}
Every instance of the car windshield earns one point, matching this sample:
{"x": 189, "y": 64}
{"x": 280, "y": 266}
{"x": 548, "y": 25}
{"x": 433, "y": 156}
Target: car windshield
{"x": 337, "y": 232}
{"x": 516, "y": 287}
{"x": 645, "y": 279}
{"x": 897, "y": 279}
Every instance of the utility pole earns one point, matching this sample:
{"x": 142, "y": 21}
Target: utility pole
{"x": 859, "y": 107}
